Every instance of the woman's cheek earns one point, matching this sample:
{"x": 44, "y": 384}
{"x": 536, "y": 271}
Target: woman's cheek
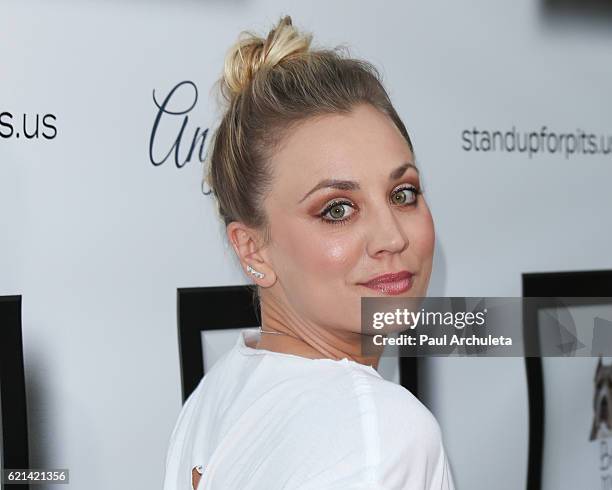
{"x": 423, "y": 235}
{"x": 324, "y": 247}
{"x": 426, "y": 241}
{"x": 331, "y": 255}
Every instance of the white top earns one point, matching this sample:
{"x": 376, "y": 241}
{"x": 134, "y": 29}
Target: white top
{"x": 264, "y": 420}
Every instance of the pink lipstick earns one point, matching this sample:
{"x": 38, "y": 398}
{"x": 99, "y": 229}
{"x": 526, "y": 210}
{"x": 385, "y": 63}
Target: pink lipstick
{"x": 392, "y": 283}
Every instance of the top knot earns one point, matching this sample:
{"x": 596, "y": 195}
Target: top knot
{"x": 251, "y": 53}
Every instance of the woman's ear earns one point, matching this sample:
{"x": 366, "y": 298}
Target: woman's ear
{"x": 247, "y": 243}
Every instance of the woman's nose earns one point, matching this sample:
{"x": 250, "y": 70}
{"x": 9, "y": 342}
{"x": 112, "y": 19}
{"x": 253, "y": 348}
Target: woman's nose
{"x": 386, "y": 233}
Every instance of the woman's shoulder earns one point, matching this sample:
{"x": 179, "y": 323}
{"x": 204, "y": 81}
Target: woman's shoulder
{"x": 378, "y": 428}
{"x": 411, "y": 451}
{"x": 366, "y": 398}
{"x": 394, "y": 400}
{"x": 403, "y": 415}
{"x": 389, "y": 398}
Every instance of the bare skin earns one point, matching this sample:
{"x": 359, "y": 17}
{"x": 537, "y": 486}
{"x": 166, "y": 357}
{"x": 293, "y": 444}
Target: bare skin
{"x": 311, "y": 291}
{"x": 195, "y": 478}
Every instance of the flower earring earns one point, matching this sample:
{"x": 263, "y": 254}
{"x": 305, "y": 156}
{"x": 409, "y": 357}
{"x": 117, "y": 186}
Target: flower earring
{"x": 257, "y": 274}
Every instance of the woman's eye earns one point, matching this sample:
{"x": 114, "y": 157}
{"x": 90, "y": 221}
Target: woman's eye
{"x": 338, "y": 211}
{"x": 402, "y": 196}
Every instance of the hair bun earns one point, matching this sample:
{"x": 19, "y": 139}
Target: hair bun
{"x": 251, "y": 53}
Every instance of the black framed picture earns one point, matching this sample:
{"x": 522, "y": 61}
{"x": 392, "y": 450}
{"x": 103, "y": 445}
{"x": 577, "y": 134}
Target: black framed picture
{"x": 578, "y": 6}
{"x": 208, "y": 315}
{"x": 570, "y": 397}
{"x": 13, "y": 415}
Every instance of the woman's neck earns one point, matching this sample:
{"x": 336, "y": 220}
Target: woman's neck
{"x": 289, "y": 343}
{"x": 302, "y": 338}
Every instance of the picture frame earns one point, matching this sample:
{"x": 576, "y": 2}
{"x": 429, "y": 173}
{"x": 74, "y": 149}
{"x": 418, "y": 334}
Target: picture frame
{"x": 13, "y": 409}
{"x": 215, "y": 309}
{"x": 562, "y": 391}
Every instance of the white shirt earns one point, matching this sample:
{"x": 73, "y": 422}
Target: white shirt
{"x": 263, "y": 420}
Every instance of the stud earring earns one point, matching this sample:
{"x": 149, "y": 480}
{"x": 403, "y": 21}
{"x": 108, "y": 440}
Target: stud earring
{"x": 258, "y": 275}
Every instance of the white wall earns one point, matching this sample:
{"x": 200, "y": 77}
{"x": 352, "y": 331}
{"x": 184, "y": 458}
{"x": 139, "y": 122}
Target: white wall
{"x": 97, "y": 239}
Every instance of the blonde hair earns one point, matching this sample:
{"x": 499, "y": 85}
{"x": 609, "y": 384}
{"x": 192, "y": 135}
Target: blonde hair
{"x": 271, "y": 84}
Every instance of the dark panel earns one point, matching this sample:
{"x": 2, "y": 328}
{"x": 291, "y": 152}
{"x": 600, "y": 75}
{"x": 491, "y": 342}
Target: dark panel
{"x": 595, "y": 285}
{"x": 12, "y": 389}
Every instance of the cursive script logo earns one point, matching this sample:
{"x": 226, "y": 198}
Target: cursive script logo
{"x": 180, "y": 115}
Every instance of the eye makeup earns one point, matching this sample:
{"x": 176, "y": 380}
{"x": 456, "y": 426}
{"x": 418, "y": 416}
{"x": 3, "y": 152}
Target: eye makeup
{"x": 337, "y": 203}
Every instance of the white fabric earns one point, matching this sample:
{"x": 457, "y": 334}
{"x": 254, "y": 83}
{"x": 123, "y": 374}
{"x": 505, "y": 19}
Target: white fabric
{"x": 263, "y": 420}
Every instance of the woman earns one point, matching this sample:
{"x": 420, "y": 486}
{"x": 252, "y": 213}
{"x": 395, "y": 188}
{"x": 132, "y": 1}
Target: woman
{"x": 314, "y": 176}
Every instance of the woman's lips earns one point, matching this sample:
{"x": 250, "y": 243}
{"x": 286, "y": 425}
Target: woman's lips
{"x": 391, "y": 284}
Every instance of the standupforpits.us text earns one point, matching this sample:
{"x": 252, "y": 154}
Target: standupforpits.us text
{"x": 543, "y": 140}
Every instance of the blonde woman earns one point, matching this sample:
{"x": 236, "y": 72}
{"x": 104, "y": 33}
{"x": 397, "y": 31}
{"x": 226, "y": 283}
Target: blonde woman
{"x": 314, "y": 176}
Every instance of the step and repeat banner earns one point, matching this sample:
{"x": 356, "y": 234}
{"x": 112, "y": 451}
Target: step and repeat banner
{"x": 106, "y": 112}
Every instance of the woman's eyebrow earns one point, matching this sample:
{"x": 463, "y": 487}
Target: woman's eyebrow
{"x": 350, "y": 185}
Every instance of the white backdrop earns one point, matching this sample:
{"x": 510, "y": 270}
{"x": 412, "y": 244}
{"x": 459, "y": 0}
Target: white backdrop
{"x": 97, "y": 239}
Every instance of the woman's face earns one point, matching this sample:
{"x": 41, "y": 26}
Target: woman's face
{"x": 327, "y": 241}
